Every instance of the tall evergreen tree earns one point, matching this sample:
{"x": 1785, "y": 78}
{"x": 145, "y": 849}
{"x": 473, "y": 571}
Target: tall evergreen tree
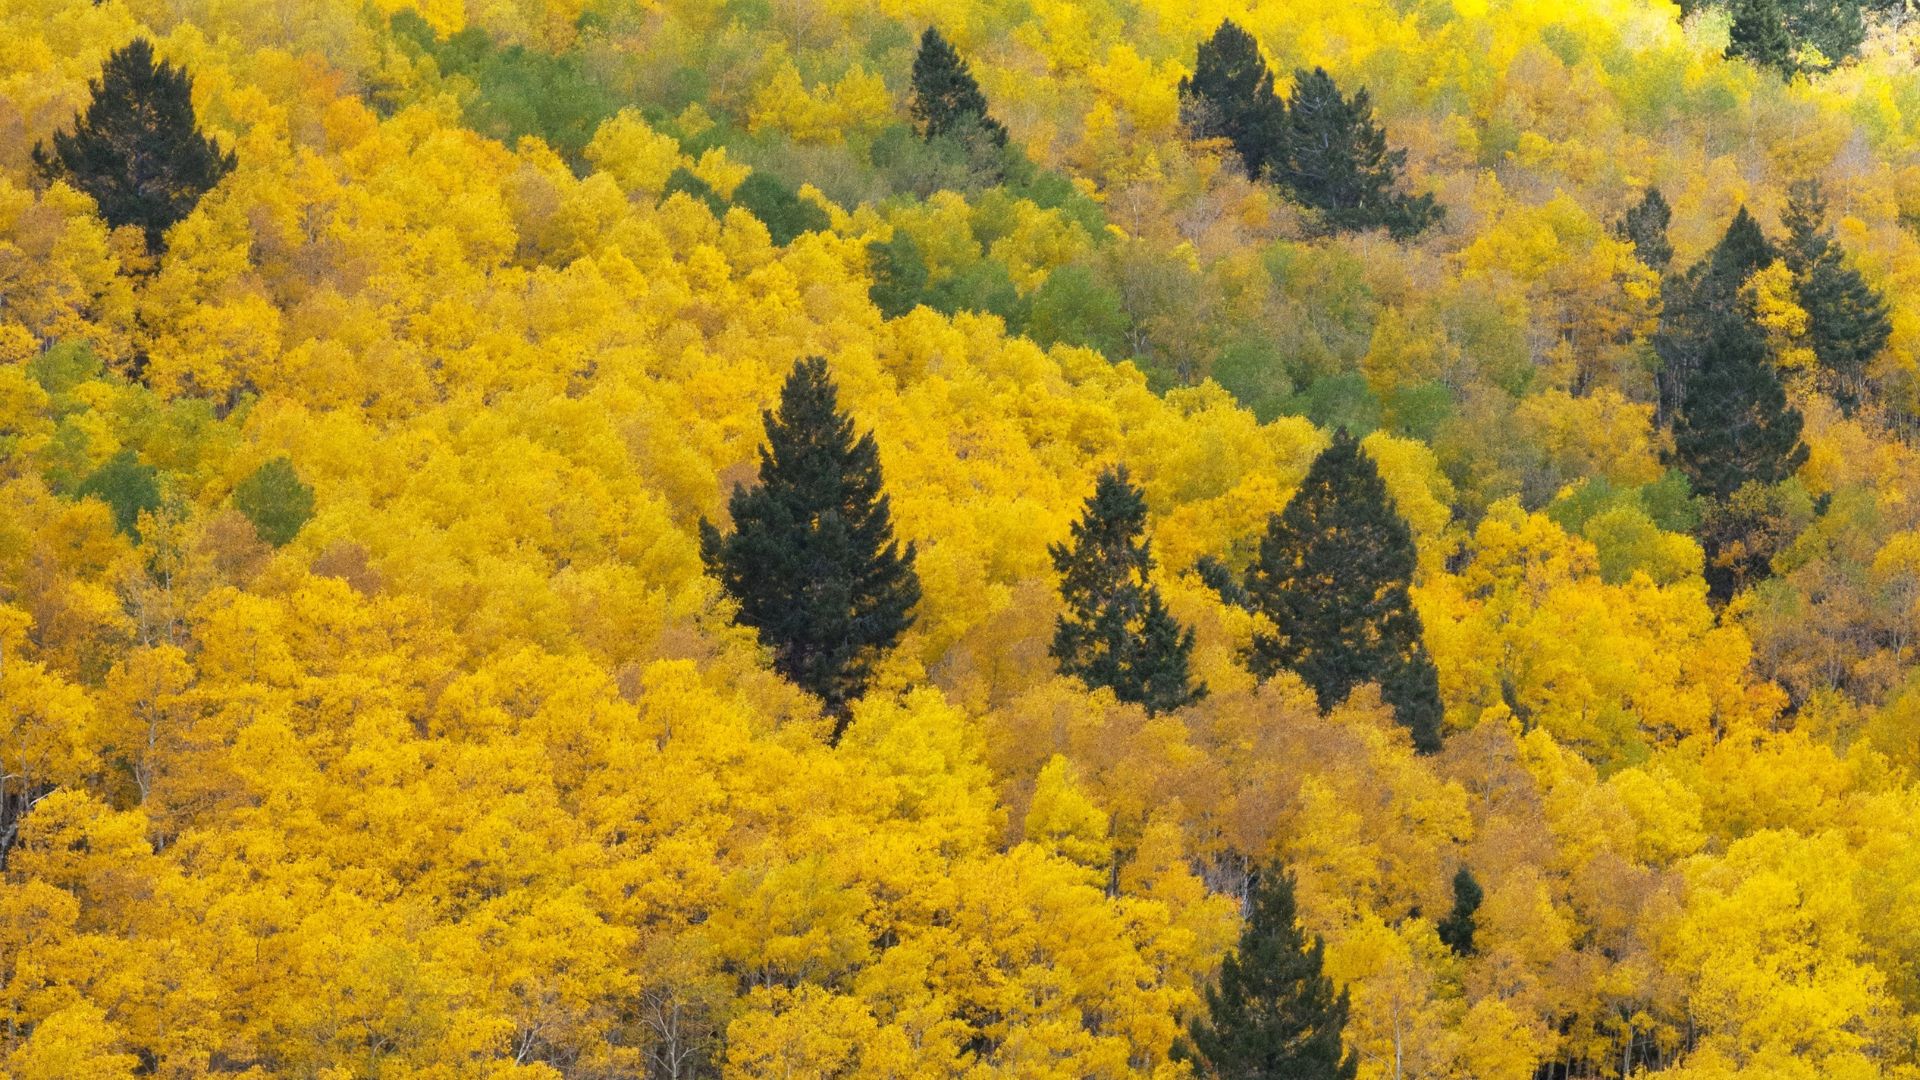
{"x": 1230, "y": 96}
{"x": 1708, "y": 294}
{"x": 1759, "y": 33}
{"x": 137, "y": 149}
{"x": 812, "y": 560}
{"x": 1333, "y": 574}
{"x": 1847, "y": 322}
{"x": 1456, "y": 930}
{"x": 946, "y": 99}
{"x": 1336, "y": 160}
{"x": 1273, "y": 1015}
{"x": 1116, "y": 632}
{"x": 1735, "y": 424}
{"x": 1645, "y": 227}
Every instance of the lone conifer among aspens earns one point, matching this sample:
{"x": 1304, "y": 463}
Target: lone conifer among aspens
{"x": 1735, "y": 424}
{"x": 1230, "y": 96}
{"x": 946, "y": 99}
{"x": 137, "y": 149}
{"x": 1333, "y": 576}
{"x": 1456, "y": 930}
{"x": 1645, "y": 227}
{"x": 1273, "y": 1014}
{"x": 1116, "y": 632}
{"x": 1335, "y": 159}
{"x": 1847, "y": 320}
{"x": 812, "y": 561}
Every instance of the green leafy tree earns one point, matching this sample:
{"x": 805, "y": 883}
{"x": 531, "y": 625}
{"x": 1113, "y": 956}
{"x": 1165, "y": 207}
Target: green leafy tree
{"x": 946, "y": 99}
{"x": 1735, "y": 424}
{"x": 1273, "y": 1014}
{"x": 1230, "y": 96}
{"x": 276, "y": 500}
{"x": 1645, "y": 227}
{"x": 137, "y": 149}
{"x": 899, "y": 274}
{"x": 1335, "y": 159}
{"x": 1116, "y": 632}
{"x": 1072, "y": 307}
{"x": 1456, "y": 930}
{"x": 1759, "y": 34}
{"x": 126, "y": 485}
{"x": 812, "y": 561}
{"x": 1333, "y": 576}
{"x": 785, "y": 214}
{"x": 1847, "y": 319}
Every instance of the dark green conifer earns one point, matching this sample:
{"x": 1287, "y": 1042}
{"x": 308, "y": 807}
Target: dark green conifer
{"x": 946, "y": 99}
{"x": 137, "y": 149}
{"x": 1759, "y": 33}
{"x": 1645, "y": 227}
{"x": 1335, "y": 159}
{"x": 1116, "y": 632}
{"x": 1847, "y": 322}
{"x": 1456, "y": 930}
{"x": 812, "y": 561}
{"x": 1333, "y": 575}
{"x": 1735, "y": 424}
{"x": 1696, "y": 302}
{"x": 1273, "y": 1014}
{"x": 1230, "y": 96}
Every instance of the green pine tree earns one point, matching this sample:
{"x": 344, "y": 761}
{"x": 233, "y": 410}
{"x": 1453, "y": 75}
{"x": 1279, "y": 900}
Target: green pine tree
{"x": 1759, "y": 33}
{"x": 1645, "y": 227}
{"x": 812, "y": 561}
{"x": 1333, "y": 573}
{"x": 1456, "y": 930}
{"x": 1230, "y": 96}
{"x": 1698, "y": 301}
{"x": 1334, "y": 159}
{"x": 1116, "y": 632}
{"x": 1273, "y": 1014}
{"x": 946, "y": 99}
{"x": 1735, "y": 424}
{"x": 137, "y": 149}
{"x": 1847, "y": 320}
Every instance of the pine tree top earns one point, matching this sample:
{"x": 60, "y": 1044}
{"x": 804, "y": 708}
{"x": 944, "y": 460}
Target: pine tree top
{"x": 1742, "y": 249}
{"x": 1230, "y": 95}
{"x": 1736, "y": 425}
{"x": 946, "y": 99}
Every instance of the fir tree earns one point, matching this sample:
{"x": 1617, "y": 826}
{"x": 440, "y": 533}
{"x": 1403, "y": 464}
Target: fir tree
{"x": 1456, "y": 930}
{"x": 1336, "y": 160}
{"x": 1273, "y": 1015}
{"x": 1230, "y": 96}
{"x": 1759, "y": 33}
{"x": 946, "y": 99}
{"x": 136, "y": 149}
{"x": 1847, "y": 322}
{"x": 1735, "y": 424}
{"x": 812, "y": 560}
{"x": 1708, "y": 294}
{"x": 1333, "y": 575}
{"x": 1645, "y": 227}
{"x": 1116, "y": 632}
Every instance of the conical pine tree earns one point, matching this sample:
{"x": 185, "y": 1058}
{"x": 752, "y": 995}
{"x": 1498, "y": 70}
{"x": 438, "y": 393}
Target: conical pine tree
{"x": 1847, "y": 320}
{"x": 1335, "y": 159}
{"x": 946, "y": 99}
{"x": 1273, "y": 1014}
{"x": 1698, "y": 301}
{"x": 1116, "y": 632}
{"x": 137, "y": 149}
{"x": 1456, "y": 930}
{"x": 1645, "y": 227}
{"x": 1735, "y": 424}
{"x": 1333, "y": 576}
{"x": 1230, "y": 96}
{"x": 812, "y": 561}
{"x": 1759, "y": 33}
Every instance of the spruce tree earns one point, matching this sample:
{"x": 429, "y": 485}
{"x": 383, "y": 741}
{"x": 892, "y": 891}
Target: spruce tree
{"x": 1708, "y": 294}
{"x": 1116, "y": 632}
{"x": 1230, "y": 96}
{"x": 946, "y": 99}
{"x": 1759, "y": 33}
{"x": 1456, "y": 930}
{"x": 812, "y": 561}
{"x": 136, "y": 149}
{"x": 1735, "y": 424}
{"x": 1273, "y": 1014}
{"x": 1333, "y": 576}
{"x": 1645, "y": 227}
{"x": 1336, "y": 160}
{"x": 1847, "y": 322}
